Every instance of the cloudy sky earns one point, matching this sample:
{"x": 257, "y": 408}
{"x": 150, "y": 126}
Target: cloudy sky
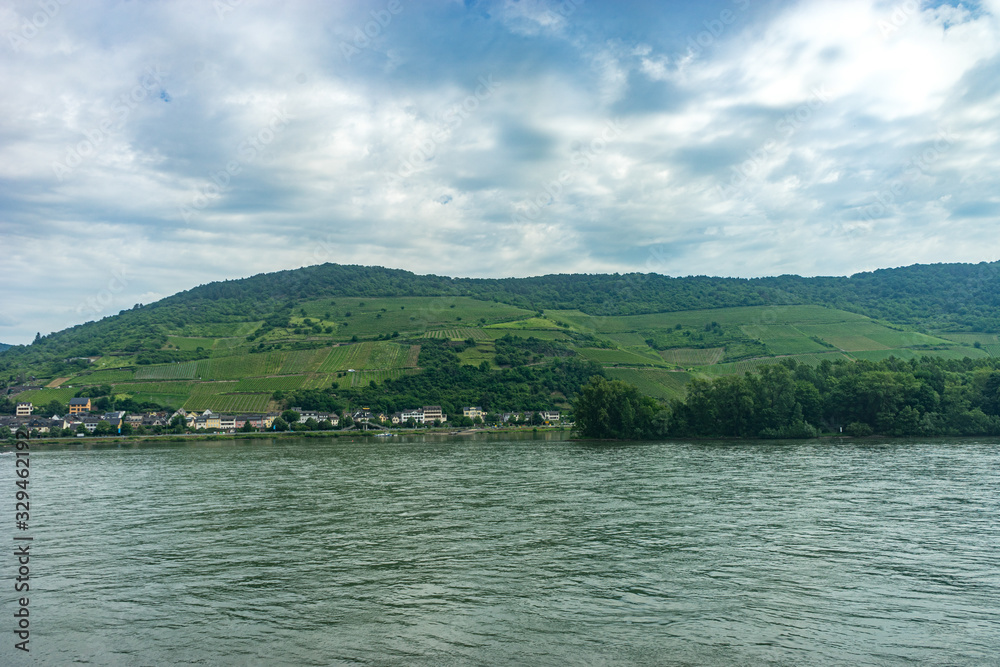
{"x": 148, "y": 147}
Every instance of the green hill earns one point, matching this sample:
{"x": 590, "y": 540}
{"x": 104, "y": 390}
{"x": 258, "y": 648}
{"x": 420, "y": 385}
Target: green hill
{"x": 334, "y": 336}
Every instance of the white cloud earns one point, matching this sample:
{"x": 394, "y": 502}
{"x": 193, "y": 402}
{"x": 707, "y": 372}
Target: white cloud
{"x": 806, "y": 140}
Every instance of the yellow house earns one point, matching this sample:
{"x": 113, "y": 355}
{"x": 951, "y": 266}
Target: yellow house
{"x": 78, "y": 405}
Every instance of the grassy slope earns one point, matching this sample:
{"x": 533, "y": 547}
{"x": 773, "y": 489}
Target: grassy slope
{"x": 236, "y": 376}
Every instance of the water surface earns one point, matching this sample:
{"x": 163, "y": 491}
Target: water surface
{"x": 527, "y": 551}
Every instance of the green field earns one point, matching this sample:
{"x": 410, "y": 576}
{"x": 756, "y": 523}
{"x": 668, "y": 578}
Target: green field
{"x": 406, "y": 315}
{"x": 114, "y": 361}
{"x": 237, "y": 367}
{"x": 217, "y": 345}
{"x": 227, "y": 345}
{"x": 318, "y": 381}
{"x": 529, "y": 323}
{"x": 693, "y": 357}
{"x": 387, "y": 355}
{"x": 660, "y": 384}
{"x": 103, "y": 377}
{"x": 972, "y": 338}
{"x": 229, "y": 403}
{"x": 473, "y": 356}
{"x": 894, "y": 338}
{"x": 461, "y": 333}
{"x": 303, "y": 361}
{"x": 868, "y": 335}
{"x": 271, "y": 384}
{"x": 190, "y": 344}
{"x": 171, "y": 401}
{"x": 627, "y": 339}
{"x": 783, "y": 338}
{"x": 42, "y": 397}
{"x": 175, "y": 388}
{"x": 854, "y": 343}
{"x": 347, "y": 357}
{"x": 610, "y": 357}
{"x": 750, "y": 315}
{"x": 184, "y": 371}
{"x": 361, "y": 356}
{"x": 362, "y": 378}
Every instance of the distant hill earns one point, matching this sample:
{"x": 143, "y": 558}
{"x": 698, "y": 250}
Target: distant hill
{"x": 966, "y": 295}
{"x": 395, "y": 339}
{"x": 3, "y": 346}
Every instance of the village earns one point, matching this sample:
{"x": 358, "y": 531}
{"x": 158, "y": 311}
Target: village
{"x": 80, "y": 420}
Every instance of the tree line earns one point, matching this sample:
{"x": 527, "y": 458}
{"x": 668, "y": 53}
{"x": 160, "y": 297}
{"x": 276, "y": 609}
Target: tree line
{"x": 928, "y": 396}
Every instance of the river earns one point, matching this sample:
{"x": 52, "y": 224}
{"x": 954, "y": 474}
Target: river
{"x": 506, "y": 550}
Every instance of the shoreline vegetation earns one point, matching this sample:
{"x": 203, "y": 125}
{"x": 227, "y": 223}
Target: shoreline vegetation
{"x": 922, "y": 397}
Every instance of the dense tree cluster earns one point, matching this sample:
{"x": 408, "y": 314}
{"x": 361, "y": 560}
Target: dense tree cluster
{"x": 615, "y": 409}
{"x": 925, "y": 397}
{"x": 517, "y": 351}
{"x": 445, "y": 382}
{"x": 738, "y": 345}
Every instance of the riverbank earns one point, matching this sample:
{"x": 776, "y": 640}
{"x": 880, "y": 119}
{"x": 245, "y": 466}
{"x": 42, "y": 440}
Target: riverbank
{"x": 287, "y": 435}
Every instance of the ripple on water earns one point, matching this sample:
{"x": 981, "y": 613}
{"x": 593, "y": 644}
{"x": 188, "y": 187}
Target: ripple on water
{"x": 516, "y": 551}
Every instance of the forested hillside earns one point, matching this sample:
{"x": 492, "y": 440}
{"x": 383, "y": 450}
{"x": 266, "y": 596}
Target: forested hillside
{"x": 942, "y": 296}
{"x": 335, "y": 336}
